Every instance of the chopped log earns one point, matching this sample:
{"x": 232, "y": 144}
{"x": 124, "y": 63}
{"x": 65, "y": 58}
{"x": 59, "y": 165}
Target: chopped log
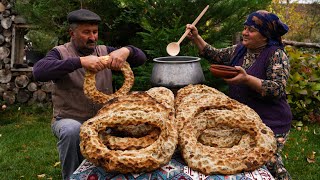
{"x": 19, "y": 20}
{"x": 8, "y": 39}
{"x": 15, "y": 90}
{"x": 5, "y": 75}
{"x": 3, "y": 88}
{"x": 6, "y": 13}
{"x": 9, "y": 5}
{"x": 1, "y": 39}
{"x": 47, "y": 87}
{"x": 23, "y": 96}
{"x": 10, "y": 86}
{"x": 21, "y": 81}
{"x": 7, "y": 67}
{"x": 7, "y": 32}
{"x": 39, "y": 95}
{"x": 9, "y": 97}
{"x": 4, "y": 52}
{"x": 6, "y": 22}
{"x": 301, "y": 44}
{"x": 6, "y": 60}
{"x": 32, "y": 87}
{"x": 2, "y": 7}
{"x": 32, "y": 100}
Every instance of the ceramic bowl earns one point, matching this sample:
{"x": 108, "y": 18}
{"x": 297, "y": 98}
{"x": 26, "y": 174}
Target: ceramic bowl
{"x": 223, "y": 71}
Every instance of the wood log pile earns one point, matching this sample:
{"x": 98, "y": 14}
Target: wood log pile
{"x": 19, "y": 87}
{"x": 16, "y": 83}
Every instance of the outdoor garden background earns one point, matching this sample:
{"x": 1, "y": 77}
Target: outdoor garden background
{"x": 27, "y": 146}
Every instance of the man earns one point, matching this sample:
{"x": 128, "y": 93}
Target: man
{"x": 65, "y": 65}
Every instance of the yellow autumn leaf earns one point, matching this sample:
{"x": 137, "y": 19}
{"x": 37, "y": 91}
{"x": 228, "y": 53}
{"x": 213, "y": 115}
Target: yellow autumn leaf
{"x": 311, "y": 158}
{"x": 41, "y": 176}
{"x": 56, "y": 164}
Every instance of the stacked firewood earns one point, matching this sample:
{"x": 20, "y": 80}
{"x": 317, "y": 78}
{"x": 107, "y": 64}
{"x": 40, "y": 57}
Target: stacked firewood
{"x": 16, "y": 83}
{"x": 19, "y": 87}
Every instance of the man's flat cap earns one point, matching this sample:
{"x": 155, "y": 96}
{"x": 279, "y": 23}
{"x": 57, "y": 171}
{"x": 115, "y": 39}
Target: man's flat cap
{"x": 83, "y": 15}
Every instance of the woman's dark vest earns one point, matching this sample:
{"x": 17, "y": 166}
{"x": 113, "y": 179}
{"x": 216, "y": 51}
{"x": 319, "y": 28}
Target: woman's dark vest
{"x": 274, "y": 112}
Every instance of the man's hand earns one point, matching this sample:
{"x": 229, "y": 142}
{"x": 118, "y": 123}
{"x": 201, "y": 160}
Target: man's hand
{"x": 117, "y": 58}
{"x": 92, "y": 63}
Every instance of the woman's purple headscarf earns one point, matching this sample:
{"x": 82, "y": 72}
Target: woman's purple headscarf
{"x": 269, "y": 25}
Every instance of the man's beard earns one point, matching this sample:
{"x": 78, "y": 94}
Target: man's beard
{"x": 85, "y": 51}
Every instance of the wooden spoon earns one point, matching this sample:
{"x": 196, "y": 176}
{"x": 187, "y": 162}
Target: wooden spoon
{"x": 173, "y": 48}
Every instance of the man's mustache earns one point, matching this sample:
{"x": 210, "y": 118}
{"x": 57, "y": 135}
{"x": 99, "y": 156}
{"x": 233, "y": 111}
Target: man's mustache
{"x": 90, "y": 42}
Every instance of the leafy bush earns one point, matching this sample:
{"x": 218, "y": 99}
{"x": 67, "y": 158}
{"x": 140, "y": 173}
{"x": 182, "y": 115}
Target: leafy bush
{"x": 304, "y": 84}
{"x": 158, "y": 22}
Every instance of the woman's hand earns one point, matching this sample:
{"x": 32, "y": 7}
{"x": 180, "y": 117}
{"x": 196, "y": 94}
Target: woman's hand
{"x": 246, "y": 79}
{"x": 193, "y": 31}
{"x": 241, "y": 78}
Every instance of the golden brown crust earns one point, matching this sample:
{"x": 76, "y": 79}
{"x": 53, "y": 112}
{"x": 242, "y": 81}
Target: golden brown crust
{"x": 217, "y": 135}
{"x": 96, "y": 96}
{"x": 129, "y": 143}
{"x": 124, "y": 113}
{"x": 204, "y": 113}
{"x": 216, "y": 160}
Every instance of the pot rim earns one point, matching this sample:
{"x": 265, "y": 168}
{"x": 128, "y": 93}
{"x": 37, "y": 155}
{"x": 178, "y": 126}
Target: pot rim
{"x": 177, "y": 59}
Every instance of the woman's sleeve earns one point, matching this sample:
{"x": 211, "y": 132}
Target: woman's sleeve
{"x": 277, "y": 75}
{"x": 217, "y": 56}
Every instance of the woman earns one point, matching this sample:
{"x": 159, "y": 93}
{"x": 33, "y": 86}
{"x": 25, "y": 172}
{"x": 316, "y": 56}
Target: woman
{"x": 264, "y": 70}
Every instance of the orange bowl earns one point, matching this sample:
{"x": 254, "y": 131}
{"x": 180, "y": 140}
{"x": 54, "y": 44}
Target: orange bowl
{"x": 223, "y": 71}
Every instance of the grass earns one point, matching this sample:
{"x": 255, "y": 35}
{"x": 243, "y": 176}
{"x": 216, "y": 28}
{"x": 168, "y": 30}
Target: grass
{"x": 303, "y": 145}
{"x": 28, "y": 148}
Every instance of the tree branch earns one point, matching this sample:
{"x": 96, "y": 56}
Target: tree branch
{"x": 301, "y": 44}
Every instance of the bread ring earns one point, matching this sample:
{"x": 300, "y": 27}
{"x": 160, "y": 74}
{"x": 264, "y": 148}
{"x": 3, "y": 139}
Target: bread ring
{"x": 214, "y": 160}
{"x": 129, "y": 143}
{"x": 126, "y": 113}
{"x": 163, "y": 95}
{"x": 223, "y": 137}
{"x": 96, "y": 96}
{"x": 142, "y": 135}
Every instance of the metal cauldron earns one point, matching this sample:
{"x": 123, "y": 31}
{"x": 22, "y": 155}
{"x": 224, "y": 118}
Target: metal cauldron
{"x": 176, "y": 71}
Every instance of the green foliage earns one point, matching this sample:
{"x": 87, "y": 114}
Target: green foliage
{"x": 150, "y": 24}
{"x": 303, "y": 19}
{"x": 304, "y": 84}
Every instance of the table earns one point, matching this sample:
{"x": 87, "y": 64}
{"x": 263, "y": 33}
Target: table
{"x": 176, "y": 169}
